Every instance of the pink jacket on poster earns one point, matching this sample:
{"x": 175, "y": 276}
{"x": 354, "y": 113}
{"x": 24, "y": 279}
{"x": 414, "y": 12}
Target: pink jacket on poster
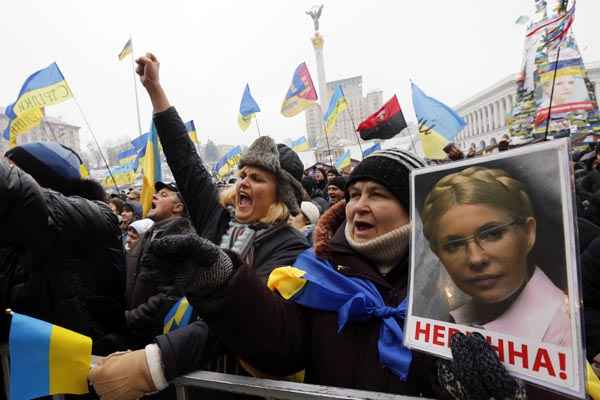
{"x": 540, "y": 313}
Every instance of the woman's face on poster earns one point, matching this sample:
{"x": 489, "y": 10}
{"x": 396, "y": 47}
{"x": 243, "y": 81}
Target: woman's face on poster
{"x": 484, "y": 249}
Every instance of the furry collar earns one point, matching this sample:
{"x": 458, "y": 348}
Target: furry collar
{"x": 328, "y": 224}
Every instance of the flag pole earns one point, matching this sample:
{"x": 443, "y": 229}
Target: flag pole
{"x": 328, "y": 147}
{"x": 353, "y": 124}
{"x": 96, "y": 141}
{"x": 257, "y": 126}
{"x": 137, "y": 103}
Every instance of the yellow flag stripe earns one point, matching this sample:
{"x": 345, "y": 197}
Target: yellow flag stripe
{"x": 42, "y": 97}
{"x": 287, "y": 281}
{"x": 70, "y": 360}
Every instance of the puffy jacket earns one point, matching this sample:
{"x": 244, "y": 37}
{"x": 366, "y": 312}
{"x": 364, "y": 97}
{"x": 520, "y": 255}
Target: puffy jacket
{"x": 61, "y": 260}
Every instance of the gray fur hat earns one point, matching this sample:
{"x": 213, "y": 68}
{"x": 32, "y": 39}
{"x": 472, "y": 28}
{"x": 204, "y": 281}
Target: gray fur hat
{"x": 282, "y": 162}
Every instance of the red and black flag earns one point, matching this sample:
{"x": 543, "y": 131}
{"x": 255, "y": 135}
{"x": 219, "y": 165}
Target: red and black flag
{"x": 385, "y": 123}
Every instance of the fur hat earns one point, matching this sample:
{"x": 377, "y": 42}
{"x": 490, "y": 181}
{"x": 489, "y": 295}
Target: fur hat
{"x": 390, "y": 168}
{"x": 339, "y": 182}
{"x": 282, "y": 162}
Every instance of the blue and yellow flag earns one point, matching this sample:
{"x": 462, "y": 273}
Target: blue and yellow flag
{"x": 300, "y": 144}
{"x": 343, "y": 161}
{"x": 191, "y": 130}
{"x": 372, "y": 149}
{"x": 126, "y": 157}
{"x": 337, "y": 104}
{"x": 301, "y": 94}
{"x": 248, "y": 109}
{"x": 44, "y": 88}
{"x": 228, "y": 163}
{"x": 178, "y": 316}
{"x": 438, "y": 124}
{"x": 127, "y": 50}
{"x": 46, "y": 359}
{"x": 151, "y": 172}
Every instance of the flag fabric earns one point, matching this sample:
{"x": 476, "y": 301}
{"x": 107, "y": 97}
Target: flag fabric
{"x": 301, "y": 94}
{"x": 337, "y": 104}
{"x": 385, "y": 123}
{"x": 123, "y": 175}
{"x": 127, "y": 156}
{"x": 372, "y": 149}
{"x": 44, "y": 88}
{"x": 300, "y": 144}
{"x": 438, "y": 123}
{"x": 191, "y": 130}
{"x": 151, "y": 172}
{"x": 228, "y": 163}
{"x": 314, "y": 283}
{"x": 127, "y": 50}
{"x": 46, "y": 359}
{"x": 248, "y": 109}
{"x": 343, "y": 161}
{"x": 178, "y": 316}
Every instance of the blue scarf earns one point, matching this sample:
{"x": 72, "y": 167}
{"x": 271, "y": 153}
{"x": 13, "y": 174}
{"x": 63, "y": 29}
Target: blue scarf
{"x": 314, "y": 283}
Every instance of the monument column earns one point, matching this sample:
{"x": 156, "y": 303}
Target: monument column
{"x": 317, "y": 42}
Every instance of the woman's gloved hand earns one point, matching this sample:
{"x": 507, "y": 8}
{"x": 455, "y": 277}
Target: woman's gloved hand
{"x": 475, "y": 372}
{"x": 200, "y": 264}
{"x": 122, "y": 376}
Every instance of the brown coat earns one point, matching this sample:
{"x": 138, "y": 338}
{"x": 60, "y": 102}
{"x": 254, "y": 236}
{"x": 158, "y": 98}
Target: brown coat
{"x": 280, "y": 337}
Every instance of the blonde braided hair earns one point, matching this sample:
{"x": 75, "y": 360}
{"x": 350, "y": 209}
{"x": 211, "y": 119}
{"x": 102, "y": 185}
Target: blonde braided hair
{"x": 475, "y": 185}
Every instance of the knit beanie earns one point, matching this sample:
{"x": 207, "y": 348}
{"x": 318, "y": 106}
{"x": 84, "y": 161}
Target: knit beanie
{"x": 282, "y": 162}
{"x": 338, "y": 182}
{"x": 390, "y": 168}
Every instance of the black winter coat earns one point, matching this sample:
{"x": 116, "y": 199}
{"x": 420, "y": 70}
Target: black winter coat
{"x": 62, "y": 260}
{"x": 183, "y": 350}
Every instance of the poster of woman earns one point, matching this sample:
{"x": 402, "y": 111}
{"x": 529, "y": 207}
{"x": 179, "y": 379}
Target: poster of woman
{"x": 494, "y": 251}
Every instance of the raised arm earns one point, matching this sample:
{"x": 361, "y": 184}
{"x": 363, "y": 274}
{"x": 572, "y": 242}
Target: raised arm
{"x": 193, "y": 179}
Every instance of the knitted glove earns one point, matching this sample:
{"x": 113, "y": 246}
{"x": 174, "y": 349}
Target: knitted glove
{"x": 475, "y": 372}
{"x": 201, "y": 265}
{"x": 122, "y": 376}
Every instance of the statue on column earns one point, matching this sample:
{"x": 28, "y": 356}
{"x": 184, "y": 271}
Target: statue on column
{"x": 315, "y": 14}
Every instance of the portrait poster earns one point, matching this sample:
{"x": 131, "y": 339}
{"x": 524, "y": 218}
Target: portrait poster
{"x": 493, "y": 250}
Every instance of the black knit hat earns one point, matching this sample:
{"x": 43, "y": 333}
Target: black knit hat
{"x": 284, "y": 163}
{"x": 338, "y": 181}
{"x": 390, "y": 168}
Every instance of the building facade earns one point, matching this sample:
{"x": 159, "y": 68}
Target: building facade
{"x": 360, "y": 107}
{"x": 486, "y": 111}
{"x": 49, "y": 130}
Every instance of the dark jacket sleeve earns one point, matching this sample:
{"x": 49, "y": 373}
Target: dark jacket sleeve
{"x": 262, "y": 328}
{"x": 281, "y": 248}
{"x": 183, "y": 350}
{"x": 23, "y": 211}
{"x": 149, "y": 316}
{"x": 193, "y": 179}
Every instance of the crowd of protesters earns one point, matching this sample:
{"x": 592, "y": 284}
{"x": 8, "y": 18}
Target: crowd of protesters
{"x": 73, "y": 257}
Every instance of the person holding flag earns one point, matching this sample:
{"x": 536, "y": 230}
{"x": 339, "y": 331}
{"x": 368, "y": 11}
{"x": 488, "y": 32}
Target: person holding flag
{"x": 255, "y": 234}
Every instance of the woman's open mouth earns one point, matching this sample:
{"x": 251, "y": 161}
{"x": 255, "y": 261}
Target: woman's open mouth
{"x": 362, "y": 228}
{"x": 244, "y": 201}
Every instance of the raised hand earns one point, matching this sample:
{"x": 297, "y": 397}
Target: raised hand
{"x": 147, "y": 68}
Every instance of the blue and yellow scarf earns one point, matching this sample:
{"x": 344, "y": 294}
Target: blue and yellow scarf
{"x": 314, "y": 283}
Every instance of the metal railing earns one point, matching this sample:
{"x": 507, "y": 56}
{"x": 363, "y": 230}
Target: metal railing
{"x": 267, "y": 388}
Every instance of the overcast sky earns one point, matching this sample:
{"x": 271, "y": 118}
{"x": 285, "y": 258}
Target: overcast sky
{"x": 210, "y": 50}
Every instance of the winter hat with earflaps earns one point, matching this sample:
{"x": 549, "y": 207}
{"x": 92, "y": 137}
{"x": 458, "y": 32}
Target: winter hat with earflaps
{"x": 282, "y": 162}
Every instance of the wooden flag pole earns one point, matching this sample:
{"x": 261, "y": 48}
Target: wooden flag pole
{"x": 348, "y": 110}
{"x": 257, "y": 126}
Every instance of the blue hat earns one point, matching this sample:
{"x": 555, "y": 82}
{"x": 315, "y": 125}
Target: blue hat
{"x": 51, "y": 164}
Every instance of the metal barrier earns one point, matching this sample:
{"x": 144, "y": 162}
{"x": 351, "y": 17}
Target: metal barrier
{"x": 268, "y": 388}
{"x": 281, "y": 390}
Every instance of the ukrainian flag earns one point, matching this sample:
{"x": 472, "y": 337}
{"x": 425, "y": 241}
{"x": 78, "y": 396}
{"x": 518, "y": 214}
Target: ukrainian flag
{"x": 337, "y": 104}
{"x": 44, "y": 88}
{"x": 127, "y": 50}
{"x": 191, "y": 130}
{"x": 300, "y": 145}
{"x": 178, "y": 316}
{"x": 228, "y": 163}
{"x": 126, "y": 157}
{"x": 372, "y": 149}
{"x": 343, "y": 161}
{"x": 248, "y": 109}
{"x": 46, "y": 359}
{"x": 151, "y": 172}
{"x": 439, "y": 124}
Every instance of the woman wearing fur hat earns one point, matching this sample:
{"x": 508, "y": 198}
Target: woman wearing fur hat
{"x": 245, "y": 225}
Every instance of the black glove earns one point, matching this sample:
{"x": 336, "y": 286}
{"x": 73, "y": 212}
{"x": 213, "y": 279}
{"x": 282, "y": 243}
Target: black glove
{"x": 475, "y": 373}
{"x": 199, "y": 264}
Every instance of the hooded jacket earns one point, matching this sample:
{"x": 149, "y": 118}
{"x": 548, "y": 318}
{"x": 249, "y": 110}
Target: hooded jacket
{"x": 61, "y": 259}
{"x": 281, "y": 337}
